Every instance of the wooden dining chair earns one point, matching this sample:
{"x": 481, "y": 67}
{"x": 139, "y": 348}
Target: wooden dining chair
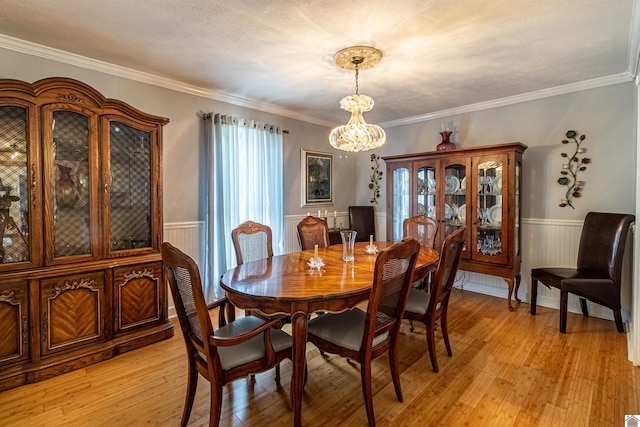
{"x": 598, "y": 274}
{"x": 252, "y": 241}
{"x": 363, "y": 336}
{"x": 424, "y": 230}
{"x": 244, "y": 346}
{"x": 430, "y": 306}
{"x": 313, "y": 231}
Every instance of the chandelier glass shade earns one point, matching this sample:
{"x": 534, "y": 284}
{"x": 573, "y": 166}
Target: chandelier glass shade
{"x": 357, "y": 135}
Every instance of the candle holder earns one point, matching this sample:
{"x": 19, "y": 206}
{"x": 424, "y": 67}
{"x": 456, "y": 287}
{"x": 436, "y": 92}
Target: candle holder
{"x": 315, "y": 263}
{"x": 371, "y": 249}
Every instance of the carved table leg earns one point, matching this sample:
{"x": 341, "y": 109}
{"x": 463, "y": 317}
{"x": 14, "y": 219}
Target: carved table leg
{"x": 517, "y": 287}
{"x": 299, "y": 331}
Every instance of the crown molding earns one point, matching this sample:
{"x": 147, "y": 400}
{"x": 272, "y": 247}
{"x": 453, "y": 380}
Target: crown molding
{"x": 634, "y": 40}
{"x": 46, "y": 52}
{"x": 516, "y": 99}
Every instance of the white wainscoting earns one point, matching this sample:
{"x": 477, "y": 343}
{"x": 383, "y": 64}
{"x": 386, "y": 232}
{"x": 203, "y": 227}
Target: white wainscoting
{"x": 545, "y": 243}
{"x": 555, "y": 243}
{"x": 186, "y": 236}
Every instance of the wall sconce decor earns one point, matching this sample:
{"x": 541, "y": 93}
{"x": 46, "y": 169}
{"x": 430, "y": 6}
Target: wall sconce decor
{"x": 570, "y": 169}
{"x": 376, "y": 176}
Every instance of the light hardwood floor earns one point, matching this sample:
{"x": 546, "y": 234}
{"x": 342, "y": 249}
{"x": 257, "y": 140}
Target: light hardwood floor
{"x": 507, "y": 369}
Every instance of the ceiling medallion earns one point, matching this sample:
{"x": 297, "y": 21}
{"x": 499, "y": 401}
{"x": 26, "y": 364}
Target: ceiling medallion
{"x": 357, "y": 135}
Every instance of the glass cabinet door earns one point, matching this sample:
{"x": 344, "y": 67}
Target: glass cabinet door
{"x": 70, "y": 143}
{"x": 491, "y": 229}
{"x": 18, "y": 202}
{"x": 455, "y": 199}
{"x": 131, "y": 183}
{"x": 400, "y": 193}
{"x": 426, "y": 194}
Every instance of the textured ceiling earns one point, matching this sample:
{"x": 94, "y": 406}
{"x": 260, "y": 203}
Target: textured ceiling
{"x": 438, "y": 54}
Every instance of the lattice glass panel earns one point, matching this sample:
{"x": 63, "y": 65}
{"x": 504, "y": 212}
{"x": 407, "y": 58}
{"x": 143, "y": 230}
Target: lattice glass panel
{"x": 14, "y": 196}
{"x": 130, "y": 187}
{"x": 71, "y": 196}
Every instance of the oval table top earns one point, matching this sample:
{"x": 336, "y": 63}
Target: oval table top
{"x": 287, "y": 278}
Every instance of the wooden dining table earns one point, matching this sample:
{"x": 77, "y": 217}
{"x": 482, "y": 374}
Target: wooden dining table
{"x": 285, "y": 284}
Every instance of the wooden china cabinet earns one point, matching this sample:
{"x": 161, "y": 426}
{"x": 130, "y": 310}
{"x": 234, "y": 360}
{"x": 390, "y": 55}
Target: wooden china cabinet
{"x": 81, "y": 228}
{"x": 478, "y": 187}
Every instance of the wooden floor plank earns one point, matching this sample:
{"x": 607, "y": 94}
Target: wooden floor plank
{"x": 507, "y": 369}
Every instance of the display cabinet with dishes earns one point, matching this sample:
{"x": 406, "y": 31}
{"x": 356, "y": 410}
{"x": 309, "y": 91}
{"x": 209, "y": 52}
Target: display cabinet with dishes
{"x": 478, "y": 187}
{"x": 81, "y": 221}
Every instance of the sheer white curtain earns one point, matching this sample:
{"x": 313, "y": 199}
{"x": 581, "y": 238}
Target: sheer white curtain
{"x": 244, "y": 177}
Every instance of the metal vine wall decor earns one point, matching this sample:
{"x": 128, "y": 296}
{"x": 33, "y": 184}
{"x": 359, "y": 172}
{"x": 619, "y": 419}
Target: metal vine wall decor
{"x": 570, "y": 169}
{"x": 376, "y": 176}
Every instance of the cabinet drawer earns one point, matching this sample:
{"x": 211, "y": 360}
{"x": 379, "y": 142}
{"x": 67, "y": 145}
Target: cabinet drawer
{"x": 138, "y": 291}
{"x": 14, "y": 318}
{"x": 72, "y": 311}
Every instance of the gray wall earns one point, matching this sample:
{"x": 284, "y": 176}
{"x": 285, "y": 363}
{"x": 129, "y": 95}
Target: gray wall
{"x": 605, "y": 115}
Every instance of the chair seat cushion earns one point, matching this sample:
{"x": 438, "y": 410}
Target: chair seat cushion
{"x": 343, "y": 329}
{"x": 418, "y": 302}
{"x": 569, "y": 278}
{"x": 587, "y": 284}
{"x": 251, "y": 350}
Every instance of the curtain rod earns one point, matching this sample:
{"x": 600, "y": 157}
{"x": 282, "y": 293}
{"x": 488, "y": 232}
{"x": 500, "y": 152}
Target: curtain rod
{"x": 209, "y": 116}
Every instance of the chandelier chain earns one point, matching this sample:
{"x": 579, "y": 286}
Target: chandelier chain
{"x": 357, "y": 78}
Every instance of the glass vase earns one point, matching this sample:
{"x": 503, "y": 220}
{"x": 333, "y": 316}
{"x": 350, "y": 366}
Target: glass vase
{"x": 446, "y": 144}
{"x": 66, "y": 194}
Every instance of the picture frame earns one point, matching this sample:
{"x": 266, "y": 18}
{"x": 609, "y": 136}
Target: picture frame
{"x": 316, "y": 172}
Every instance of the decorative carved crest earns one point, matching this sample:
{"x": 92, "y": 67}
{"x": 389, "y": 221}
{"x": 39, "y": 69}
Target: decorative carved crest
{"x": 138, "y": 274}
{"x": 9, "y": 297}
{"x": 70, "y": 98}
{"x": 251, "y": 227}
{"x": 72, "y": 285}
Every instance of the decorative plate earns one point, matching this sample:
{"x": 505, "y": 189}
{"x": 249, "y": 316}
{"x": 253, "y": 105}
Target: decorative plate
{"x": 462, "y": 213}
{"x": 448, "y": 212}
{"x": 495, "y": 214}
{"x": 421, "y": 209}
{"x": 463, "y": 183}
{"x": 451, "y": 185}
{"x": 431, "y": 185}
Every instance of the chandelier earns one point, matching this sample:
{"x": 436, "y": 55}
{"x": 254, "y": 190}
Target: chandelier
{"x": 357, "y": 135}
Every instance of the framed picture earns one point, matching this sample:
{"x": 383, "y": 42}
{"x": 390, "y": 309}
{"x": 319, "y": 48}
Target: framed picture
{"x": 317, "y": 178}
